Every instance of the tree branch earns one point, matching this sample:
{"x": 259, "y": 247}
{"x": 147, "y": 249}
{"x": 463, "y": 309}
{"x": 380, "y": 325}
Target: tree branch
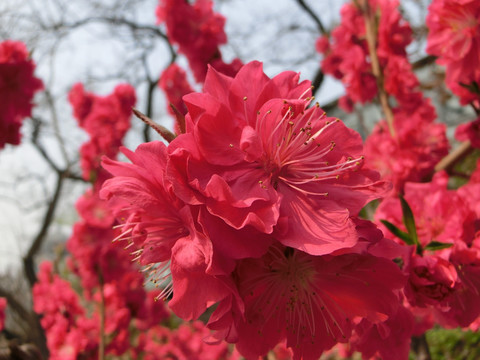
{"x": 28, "y": 260}
{"x": 155, "y": 30}
{"x": 314, "y": 16}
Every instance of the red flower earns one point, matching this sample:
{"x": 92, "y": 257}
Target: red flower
{"x": 165, "y": 230}
{"x": 18, "y": 85}
{"x": 311, "y": 300}
{"x": 389, "y": 340}
{"x": 254, "y": 154}
{"x": 432, "y": 281}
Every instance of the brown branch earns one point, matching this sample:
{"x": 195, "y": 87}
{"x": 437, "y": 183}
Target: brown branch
{"x": 371, "y": 34}
{"x": 420, "y": 347}
{"x": 317, "y": 80}
{"x": 161, "y": 130}
{"x": 37, "y": 124}
{"x": 14, "y": 304}
{"x": 36, "y": 333}
{"x": 451, "y": 159}
{"x": 152, "y": 85}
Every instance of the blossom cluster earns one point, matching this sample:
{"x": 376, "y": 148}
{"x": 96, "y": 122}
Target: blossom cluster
{"x": 454, "y": 26}
{"x": 443, "y": 274}
{"x": 198, "y": 32}
{"x": 251, "y": 215}
{"x": 18, "y": 85}
{"x": 417, "y": 143}
{"x": 255, "y": 208}
{"x": 110, "y": 282}
{"x": 105, "y": 119}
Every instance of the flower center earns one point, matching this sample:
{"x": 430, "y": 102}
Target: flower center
{"x": 298, "y": 151}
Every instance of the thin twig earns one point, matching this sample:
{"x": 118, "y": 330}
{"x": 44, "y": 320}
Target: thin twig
{"x": 371, "y": 35}
{"x": 451, "y": 159}
{"x": 152, "y": 85}
{"x": 161, "y": 130}
{"x": 420, "y": 347}
{"x": 56, "y": 126}
{"x": 314, "y": 16}
{"x": 155, "y": 30}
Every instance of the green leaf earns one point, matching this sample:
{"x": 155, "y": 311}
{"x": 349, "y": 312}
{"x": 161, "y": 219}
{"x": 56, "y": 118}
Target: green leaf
{"x": 437, "y": 245}
{"x": 397, "y": 232}
{"x": 409, "y": 221}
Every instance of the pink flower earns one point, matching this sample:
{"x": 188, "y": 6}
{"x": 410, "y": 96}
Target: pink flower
{"x": 432, "y": 281}
{"x": 256, "y": 155}
{"x": 465, "y": 300}
{"x": 311, "y": 300}
{"x": 18, "y": 85}
{"x": 388, "y": 340}
{"x": 165, "y": 230}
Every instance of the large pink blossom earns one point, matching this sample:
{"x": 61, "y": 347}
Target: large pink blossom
{"x": 18, "y": 85}
{"x": 255, "y": 154}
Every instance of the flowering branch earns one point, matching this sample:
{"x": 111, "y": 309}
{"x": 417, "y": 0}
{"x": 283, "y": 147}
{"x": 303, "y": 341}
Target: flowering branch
{"x": 371, "y": 34}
